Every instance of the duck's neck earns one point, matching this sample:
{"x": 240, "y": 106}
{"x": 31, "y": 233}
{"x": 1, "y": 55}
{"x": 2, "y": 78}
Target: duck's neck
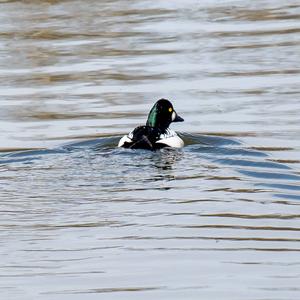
{"x": 162, "y": 128}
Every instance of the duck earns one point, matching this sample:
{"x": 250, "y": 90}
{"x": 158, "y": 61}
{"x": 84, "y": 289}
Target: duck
{"x": 156, "y": 134}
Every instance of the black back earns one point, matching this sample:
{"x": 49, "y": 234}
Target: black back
{"x": 145, "y": 137}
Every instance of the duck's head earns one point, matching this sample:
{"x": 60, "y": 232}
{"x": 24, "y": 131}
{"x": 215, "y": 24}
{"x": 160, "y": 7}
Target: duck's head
{"x": 162, "y": 115}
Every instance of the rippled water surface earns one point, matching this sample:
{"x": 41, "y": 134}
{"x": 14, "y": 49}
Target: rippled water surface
{"x": 82, "y": 219}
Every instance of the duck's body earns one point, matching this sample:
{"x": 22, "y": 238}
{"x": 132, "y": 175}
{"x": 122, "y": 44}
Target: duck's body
{"x": 146, "y": 137}
{"x": 156, "y": 133}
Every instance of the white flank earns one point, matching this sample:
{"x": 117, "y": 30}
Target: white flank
{"x": 174, "y": 141}
{"x": 123, "y": 140}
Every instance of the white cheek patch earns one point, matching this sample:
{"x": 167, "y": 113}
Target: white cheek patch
{"x": 173, "y": 115}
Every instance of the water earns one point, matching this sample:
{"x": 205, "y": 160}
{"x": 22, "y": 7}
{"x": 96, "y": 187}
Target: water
{"x": 218, "y": 219}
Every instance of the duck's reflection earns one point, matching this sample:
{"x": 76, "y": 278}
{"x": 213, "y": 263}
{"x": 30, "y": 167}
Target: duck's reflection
{"x": 166, "y": 158}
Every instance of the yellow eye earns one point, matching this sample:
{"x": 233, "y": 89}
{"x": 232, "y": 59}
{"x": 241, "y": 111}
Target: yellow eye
{"x": 170, "y": 109}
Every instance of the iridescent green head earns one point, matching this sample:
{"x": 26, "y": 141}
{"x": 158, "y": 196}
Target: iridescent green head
{"x": 162, "y": 115}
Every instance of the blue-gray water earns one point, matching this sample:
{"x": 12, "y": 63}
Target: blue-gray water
{"x": 82, "y": 219}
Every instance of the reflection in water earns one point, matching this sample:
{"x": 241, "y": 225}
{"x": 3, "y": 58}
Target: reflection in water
{"x": 166, "y": 159}
{"x": 80, "y": 217}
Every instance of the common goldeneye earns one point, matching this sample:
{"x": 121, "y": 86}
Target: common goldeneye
{"x": 156, "y": 133}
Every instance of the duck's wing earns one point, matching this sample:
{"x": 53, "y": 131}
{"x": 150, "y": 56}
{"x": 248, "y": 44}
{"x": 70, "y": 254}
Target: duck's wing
{"x": 142, "y": 137}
